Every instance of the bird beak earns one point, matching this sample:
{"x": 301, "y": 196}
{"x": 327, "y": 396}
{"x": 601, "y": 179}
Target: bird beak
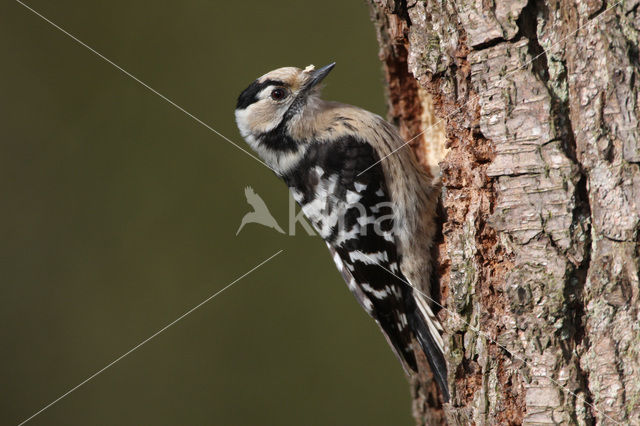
{"x": 318, "y": 75}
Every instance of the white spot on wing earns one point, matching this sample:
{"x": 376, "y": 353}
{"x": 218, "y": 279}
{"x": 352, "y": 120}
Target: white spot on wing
{"x": 403, "y": 319}
{"x": 368, "y": 306}
{"x": 352, "y": 284}
{"x": 316, "y": 210}
{"x": 379, "y": 294}
{"x": 338, "y": 260}
{"x": 297, "y": 195}
{"x": 328, "y": 224}
{"x": 365, "y": 220}
{"x": 313, "y": 209}
{"x": 353, "y": 197}
{"x": 348, "y": 235}
{"x": 396, "y": 292}
{"x": 369, "y": 258}
{"x": 319, "y": 171}
{"x": 388, "y": 236}
{"x": 360, "y": 186}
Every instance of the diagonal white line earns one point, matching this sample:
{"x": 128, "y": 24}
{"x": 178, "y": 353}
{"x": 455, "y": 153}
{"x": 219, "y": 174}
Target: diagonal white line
{"x": 504, "y": 77}
{"x": 486, "y": 336}
{"x": 142, "y": 83}
{"x": 97, "y": 373}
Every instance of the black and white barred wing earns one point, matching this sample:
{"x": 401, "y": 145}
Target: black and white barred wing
{"x": 354, "y": 214}
{"x": 398, "y": 337}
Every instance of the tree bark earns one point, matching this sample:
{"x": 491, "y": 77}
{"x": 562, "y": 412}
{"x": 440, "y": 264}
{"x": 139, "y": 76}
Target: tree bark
{"x": 536, "y": 109}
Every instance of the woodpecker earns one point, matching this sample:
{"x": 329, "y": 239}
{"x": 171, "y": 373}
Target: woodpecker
{"x": 377, "y": 217}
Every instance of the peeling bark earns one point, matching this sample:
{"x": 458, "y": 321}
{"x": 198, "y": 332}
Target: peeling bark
{"x": 536, "y": 106}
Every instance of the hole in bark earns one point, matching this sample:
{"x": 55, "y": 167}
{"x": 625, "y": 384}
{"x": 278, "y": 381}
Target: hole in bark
{"x": 527, "y": 25}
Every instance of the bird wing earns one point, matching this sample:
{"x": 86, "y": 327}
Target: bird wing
{"x": 353, "y": 212}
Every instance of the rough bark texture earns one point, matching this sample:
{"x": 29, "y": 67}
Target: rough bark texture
{"x": 538, "y": 139}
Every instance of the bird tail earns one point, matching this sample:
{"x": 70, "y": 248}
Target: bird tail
{"x": 427, "y": 329}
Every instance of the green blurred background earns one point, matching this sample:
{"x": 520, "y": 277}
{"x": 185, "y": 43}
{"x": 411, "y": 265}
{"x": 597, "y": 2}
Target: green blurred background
{"x": 119, "y": 213}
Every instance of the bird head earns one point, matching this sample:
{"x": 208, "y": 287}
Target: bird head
{"x": 270, "y": 106}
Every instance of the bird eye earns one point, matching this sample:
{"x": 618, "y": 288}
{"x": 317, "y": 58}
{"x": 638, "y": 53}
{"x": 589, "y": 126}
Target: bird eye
{"x": 278, "y": 94}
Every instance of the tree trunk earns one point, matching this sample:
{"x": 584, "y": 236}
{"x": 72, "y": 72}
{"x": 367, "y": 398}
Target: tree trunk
{"x": 532, "y": 110}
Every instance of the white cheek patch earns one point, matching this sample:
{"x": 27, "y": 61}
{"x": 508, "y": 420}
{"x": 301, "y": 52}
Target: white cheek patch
{"x": 261, "y": 117}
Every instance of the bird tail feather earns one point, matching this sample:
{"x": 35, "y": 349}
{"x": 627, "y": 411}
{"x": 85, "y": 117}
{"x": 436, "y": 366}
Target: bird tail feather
{"x": 427, "y": 330}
